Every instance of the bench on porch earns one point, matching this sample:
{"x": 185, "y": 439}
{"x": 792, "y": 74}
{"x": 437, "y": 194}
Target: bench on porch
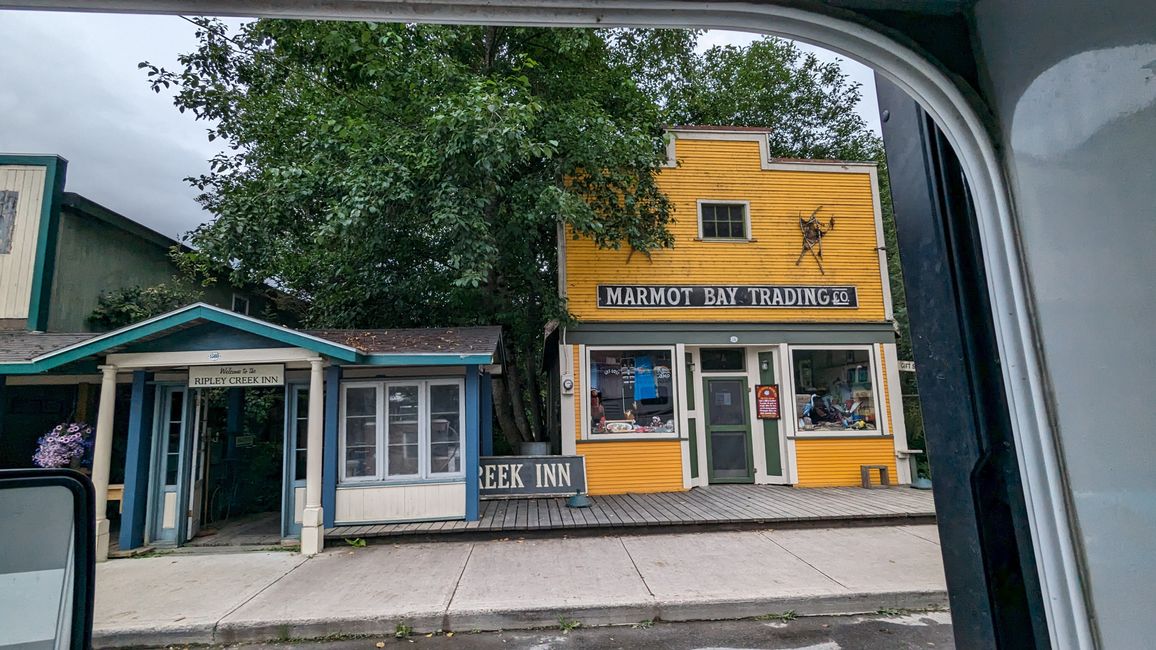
{"x": 865, "y": 475}
{"x": 116, "y": 493}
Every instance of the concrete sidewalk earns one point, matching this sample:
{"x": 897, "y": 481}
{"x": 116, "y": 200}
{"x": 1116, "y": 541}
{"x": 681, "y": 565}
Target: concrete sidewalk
{"x": 512, "y": 584}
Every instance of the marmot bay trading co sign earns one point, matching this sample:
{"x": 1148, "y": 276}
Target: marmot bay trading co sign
{"x": 649, "y": 296}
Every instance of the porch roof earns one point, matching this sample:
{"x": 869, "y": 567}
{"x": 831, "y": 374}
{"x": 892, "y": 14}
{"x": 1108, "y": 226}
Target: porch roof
{"x": 20, "y": 345}
{"x": 23, "y": 353}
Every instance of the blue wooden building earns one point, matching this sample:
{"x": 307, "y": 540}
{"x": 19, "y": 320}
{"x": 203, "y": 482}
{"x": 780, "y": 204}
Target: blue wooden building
{"x": 380, "y": 425}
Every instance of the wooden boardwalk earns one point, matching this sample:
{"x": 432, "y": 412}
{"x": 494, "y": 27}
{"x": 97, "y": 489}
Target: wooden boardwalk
{"x": 714, "y": 505}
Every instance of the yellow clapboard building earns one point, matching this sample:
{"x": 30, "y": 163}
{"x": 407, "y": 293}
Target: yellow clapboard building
{"x": 759, "y": 349}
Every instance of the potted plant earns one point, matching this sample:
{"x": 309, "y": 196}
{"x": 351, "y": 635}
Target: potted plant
{"x": 66, "y": 445}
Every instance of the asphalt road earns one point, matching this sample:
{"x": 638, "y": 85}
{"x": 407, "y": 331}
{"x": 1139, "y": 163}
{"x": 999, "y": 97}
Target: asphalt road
{"x": 898, "y": 632}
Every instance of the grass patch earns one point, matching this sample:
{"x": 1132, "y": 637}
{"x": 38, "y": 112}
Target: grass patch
{"x": 890, "y": 612}
{"x": 644, "y": 625}
{"x": 788, "y": 615}
{"x": 568, "y": 624}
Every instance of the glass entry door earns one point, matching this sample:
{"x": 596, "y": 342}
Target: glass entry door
{"x": 168, "y": 516}
{"x": 296, "y": 456}
{"x": 728, "y": 431}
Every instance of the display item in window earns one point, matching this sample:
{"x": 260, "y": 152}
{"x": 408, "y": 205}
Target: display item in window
{"x": 597, "y": 411}
{"x": 829, "y": 413}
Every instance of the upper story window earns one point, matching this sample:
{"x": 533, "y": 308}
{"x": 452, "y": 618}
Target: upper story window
{"x": 240, "y": 304}
{"x": 723, "y": 220}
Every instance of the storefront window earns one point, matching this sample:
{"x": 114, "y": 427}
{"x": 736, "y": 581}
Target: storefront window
{"x": 834, "y": 390}
{"x": 445, "y": 429}
{"x": 360, "y": 431}
{"x": 631, "y": 391}
{"x": 419, "y": 436}
{"x": 402, "y": 436}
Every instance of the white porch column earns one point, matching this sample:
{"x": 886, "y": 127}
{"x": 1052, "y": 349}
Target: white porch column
{"x": 312, "y": 521}
{"x": 102, "y": 457}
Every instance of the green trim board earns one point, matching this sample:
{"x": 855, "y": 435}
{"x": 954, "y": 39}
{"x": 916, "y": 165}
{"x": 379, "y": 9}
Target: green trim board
{"x": 692, "y": 423}
{"x": 721, "y": 333}
{"x": 771, "y": 427}
{"x": 44, "y": 265}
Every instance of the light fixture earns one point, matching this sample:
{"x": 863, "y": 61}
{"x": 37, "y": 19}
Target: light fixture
{"x": 765, "y": 365}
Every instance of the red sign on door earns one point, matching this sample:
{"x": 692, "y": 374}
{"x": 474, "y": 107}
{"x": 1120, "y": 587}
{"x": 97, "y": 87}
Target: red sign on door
{"x": 767, "y": 402}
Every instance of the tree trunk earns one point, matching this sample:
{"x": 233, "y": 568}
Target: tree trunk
{"x": 534, "y": 388}
{"x": 505, "y": 413}
{"x": 517, "y": 394}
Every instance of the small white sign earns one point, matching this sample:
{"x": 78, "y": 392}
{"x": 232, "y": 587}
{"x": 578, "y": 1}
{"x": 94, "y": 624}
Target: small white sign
{"x": 269, "y": 374}
{"x": 906, "y": 366}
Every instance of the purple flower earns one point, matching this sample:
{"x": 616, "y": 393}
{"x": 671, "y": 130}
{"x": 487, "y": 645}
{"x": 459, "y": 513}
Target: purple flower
{"x": 62, "y": 445}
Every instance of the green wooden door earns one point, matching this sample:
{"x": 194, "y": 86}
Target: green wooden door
{"x": 728, "y": 430}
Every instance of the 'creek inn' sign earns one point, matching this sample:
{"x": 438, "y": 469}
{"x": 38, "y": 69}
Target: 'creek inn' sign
{"x": 510, "y": 476}
{"x": 649, "y": 296}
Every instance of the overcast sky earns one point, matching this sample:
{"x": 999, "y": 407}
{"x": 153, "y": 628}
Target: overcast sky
{"x": 71, "y": 87}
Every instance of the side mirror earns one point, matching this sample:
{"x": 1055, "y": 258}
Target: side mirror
{"x": 47, "y": 559}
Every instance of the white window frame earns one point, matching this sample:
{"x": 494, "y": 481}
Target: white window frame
{"x": 341, "y": 439}
{"x": 424, "y": 474}
{"x": 427, "y": 439}
{"x": 881, "y": 429}
{"x": 589, "y": 434}
{"x": 746, "y": 220}
{"x": 294, "y": 413}
{"x": 233, "y": 305}
{"x": 383, "y": 433}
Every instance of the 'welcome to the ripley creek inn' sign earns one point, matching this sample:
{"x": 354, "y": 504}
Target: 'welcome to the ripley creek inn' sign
{"x": 265, "y": 374}
{"x": 681, "y": 296}
{"x": 515, "y": 476}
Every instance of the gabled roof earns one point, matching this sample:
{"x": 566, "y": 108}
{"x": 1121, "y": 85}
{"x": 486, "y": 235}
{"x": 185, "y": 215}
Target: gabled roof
{"x": 31, "y": 353}
{"x": 90, "y": 208}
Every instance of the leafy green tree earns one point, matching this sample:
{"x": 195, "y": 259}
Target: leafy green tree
{"x": 808, "y": 104}
{"x": 129, "y": 305}
{"x": 412, "y": 175}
